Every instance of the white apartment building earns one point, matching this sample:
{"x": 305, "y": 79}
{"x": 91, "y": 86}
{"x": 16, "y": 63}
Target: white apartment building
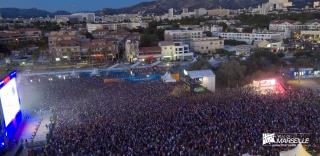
{"x": 122, "y": 18}
{"x": 272, "y": 5}
{"x": 206, "y": 45}
{"x": 116, "y": 26}
{"x": 249, "y": 38}
{"x": 85, "y": 17}
{"x": 92, "y": 27}
{"x": 216, "y": 28}
{"x": 219, "y": 12}
{"x": 200, "y": 12}
{"x": 184, "y": 36}
{"x": 81, "y": 17}
{"x": 175, "y": 50}
{"x": 283, "y": 25}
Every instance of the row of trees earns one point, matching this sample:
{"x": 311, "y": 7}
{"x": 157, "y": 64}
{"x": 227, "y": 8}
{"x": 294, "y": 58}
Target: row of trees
{"x": 262, "y": 21}
{"x": 235, "y": 72}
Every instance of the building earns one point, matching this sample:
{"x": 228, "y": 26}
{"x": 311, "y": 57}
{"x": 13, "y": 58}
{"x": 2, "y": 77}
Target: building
{"x": 175, "y": 50}
{"x": 274, "y": 46}
{"x": 61, "y": 18}
{"x": 100, "y": 50}
{"x": 77, "y": 17}
{"x": 120, "y": 18}
{"x": 220, "y": 12}
{"x": 206, "y": 45}
{"x": 216, "y": 28}
{"x": 66, "y": 50}
{"x": 316, "y": 4}
{"x": 250, "y": 38}
{"x": 170, "y": 13}
{"x": 64, "y": 45}
{"x": 184, "y": 36}
{"x": 313, "y": 25}
{"x": 20, "y": 35}
{"x": 151, "y": 53}
{"x": 92, "y": 27}
{"x": 185, "y": 10}
{"x": 83, "y": 17}
{"x": 284, "y": 25}
{"x": 310, "y": 35}
{"x": 273, "y": 5}
{"x": 200, "y": 12}
{"x": 131, "y": 49}
{"x": 240, "y": 50}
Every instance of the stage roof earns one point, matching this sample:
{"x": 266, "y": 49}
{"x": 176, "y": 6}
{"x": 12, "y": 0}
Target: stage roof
{"x": 200, "y": 73}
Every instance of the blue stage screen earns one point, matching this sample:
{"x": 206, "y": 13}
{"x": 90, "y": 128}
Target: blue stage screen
{"x": 10, "y": 109}
{"x": 9, "y": 101}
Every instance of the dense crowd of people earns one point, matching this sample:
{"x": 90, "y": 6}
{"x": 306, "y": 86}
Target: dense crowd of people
{"x": 95, "y": 118}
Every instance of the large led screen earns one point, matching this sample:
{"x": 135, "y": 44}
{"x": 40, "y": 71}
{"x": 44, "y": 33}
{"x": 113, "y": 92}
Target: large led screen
{"x": 9, "y": 101}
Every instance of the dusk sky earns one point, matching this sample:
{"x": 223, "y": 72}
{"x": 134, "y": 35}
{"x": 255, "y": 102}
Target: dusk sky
{"x": 68, "y": 5}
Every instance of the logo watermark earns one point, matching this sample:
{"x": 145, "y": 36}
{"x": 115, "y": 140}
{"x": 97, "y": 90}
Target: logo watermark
{"x": 284, "y": 139}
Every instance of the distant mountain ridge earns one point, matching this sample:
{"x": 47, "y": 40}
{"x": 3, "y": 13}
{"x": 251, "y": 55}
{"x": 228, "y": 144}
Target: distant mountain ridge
{"x": 161, "y": 6}
{"x": 28, "y": 13}
{"x": 158, "y": 7}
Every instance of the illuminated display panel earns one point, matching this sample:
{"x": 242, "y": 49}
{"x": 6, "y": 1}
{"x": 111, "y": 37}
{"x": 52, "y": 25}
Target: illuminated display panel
{"x": 9, "y": 101}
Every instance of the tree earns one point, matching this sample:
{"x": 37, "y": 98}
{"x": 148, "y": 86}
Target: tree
{"x": 234, "y": 42}
{"x": 231, "y": 73}
{"x": 4, "y": 50}
{"x": 201, "y": 63}
{"x": 149, "y": 40}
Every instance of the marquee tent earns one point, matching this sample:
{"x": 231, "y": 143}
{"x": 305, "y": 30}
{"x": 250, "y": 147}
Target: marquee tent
{"x": 168, "y": 78}
{"x": 206, "y": 77}
{"x": 297, "y": 151}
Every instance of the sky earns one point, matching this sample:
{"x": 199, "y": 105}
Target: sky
{"x": 68, "y": 5}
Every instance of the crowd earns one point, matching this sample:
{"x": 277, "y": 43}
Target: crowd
{"x": 94, "y": 118}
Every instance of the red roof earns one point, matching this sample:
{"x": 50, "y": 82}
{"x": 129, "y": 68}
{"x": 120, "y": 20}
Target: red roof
{"x": 149, "y": 51}
{"x": 282, "y": 21}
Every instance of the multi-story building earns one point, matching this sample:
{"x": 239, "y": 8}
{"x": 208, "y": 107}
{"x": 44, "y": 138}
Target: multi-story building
{"x": 92, "y": 27}
{"x": 313, "y": 25}
{"x": 175, "y": 50}
{"x": 200, "y": 12}
{"x": 283, "y": 25}
{"x": 149, "y": 53}
{"x": 273, "y": 5}
{"x": 316, "y": 4}
{"x": 184, "y": 36}
{"x": 77, "y": 17}
{"x": 250, "y": 38}
{"x": 310, "y": 35}
{"x": 99, "y": 50}
{"x": 169, "y": 16}
{"x": 287, "y": 27}
{"x": 61, "y": 18}
{"x": 206, "y": 45}
{"x": 21, "y": 35}
{"x": 116, "y": 26}
{"x": 219, "y": 12}
{"x": 66, "y": 50}
{"x": 64, "y": 45}
{"x": 119, "y": 18}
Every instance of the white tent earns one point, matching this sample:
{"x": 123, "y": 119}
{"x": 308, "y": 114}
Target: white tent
{"x": 168, "y": 78}
{"x": 297, "y": 151}
{"x": 207, "y": 78}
